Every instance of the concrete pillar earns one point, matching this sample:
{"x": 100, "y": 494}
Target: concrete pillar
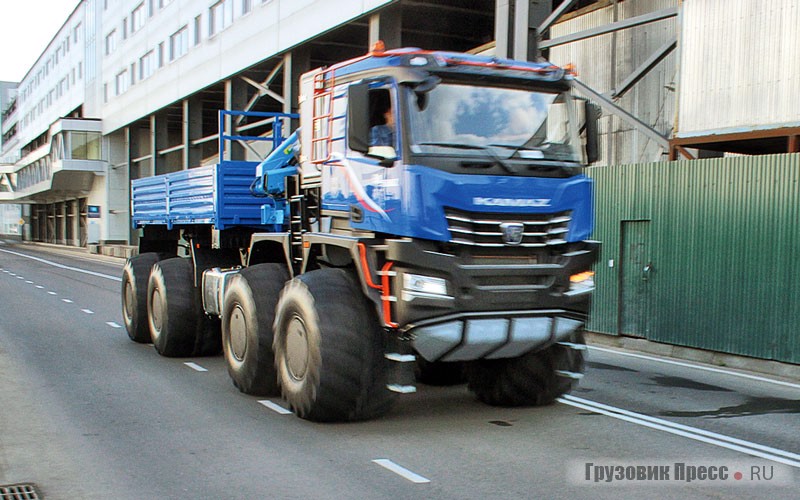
{"x": 235, "y": 100}
{"x": 159, "y": 139}
{"x": 76, "y": 223}
{"x": 387, "y": 25}
{"x": 515, "y": 27}
{"x": 192, "y": 130}
{"x": 295, "y": 63}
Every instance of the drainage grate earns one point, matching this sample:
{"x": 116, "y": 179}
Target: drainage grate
{"x": 18, "y": 492}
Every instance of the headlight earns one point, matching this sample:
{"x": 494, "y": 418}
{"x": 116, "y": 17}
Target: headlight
{"x": 424, "y": 284}
{"x": 581, "y": 283}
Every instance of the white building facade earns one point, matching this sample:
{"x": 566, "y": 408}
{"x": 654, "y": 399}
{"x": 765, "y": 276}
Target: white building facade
{"x": 132, "y": 88}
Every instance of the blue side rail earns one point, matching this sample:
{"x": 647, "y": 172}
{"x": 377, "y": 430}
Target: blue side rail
{"x": 217, "y": 194}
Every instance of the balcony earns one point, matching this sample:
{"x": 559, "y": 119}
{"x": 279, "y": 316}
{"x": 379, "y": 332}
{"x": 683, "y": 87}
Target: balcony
{"x": 65, "y": 167}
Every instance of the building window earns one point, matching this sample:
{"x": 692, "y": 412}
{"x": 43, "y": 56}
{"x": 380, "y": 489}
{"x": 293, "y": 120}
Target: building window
{"x": 161, "y": 55}
{"x": 125, "y": 28}
{"x": 247, "y": 6}
{"x": 146, "y": 65}
{"x": 122, "y": 82}
{"x": 220, "y": 16}
{"x": 163, "y": 3}
{"x": 197, "y": 29}
{"x": 111, "y": 42}
{"x": 178, "y": 43}
{"x": 75, "y": 32}
{"x": 85, "y": 145}
{"x": 137, "y": 18}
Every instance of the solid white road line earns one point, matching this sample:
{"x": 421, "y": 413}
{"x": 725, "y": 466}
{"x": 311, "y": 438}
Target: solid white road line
{"x": 697, "y": 367}
{"x": 275, "y": 407}
{"x": 401, "y": 471}
{"x": 681, "y": 430}
{"x": 87, "y": 311}
{"x": 696, "y": 430}
{"x": 195, "y": 367}
{"x": 113, "y": 325}
{"x": 62, "y": 266}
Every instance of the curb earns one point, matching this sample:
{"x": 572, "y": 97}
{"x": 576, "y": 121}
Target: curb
{"x": 778, "y": 369}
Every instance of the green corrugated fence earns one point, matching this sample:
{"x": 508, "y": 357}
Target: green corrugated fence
{"x": 702, "y": 253}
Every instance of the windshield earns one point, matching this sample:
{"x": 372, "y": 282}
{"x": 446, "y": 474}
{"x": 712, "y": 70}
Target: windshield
{"x": 526, "y": 124}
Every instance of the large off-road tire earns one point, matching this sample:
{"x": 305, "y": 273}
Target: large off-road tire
{"x": 439, "y": 373}
{"x": 134, "y": 295}
{"x": 329, "y": 349}
{"x": 248, "y": 313}
{"x": 529, "y": 380}
{"x": 176, "y": 324}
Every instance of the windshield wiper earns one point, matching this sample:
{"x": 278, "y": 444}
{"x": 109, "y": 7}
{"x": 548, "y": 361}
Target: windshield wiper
{"x": 488, "y": 149}
{"x": 540, "y": 149}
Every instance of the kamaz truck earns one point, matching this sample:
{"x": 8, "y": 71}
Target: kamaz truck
{"x": 340, "y": 270}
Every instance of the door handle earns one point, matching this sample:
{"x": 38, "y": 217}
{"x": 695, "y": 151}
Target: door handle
{"x": 648, "y": 268}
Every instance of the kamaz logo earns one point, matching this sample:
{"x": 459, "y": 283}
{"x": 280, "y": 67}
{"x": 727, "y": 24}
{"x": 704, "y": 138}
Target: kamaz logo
{"x": 512, "y": 232}
{"x": 511, "y": 202}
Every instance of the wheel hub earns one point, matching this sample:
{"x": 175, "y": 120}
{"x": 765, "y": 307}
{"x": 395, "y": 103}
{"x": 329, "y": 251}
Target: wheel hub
{"x": 156, "y": 312}
{"x": 297, "y": 348}
{"x": 238, "y": 330}
{"x": 128, "y": 302}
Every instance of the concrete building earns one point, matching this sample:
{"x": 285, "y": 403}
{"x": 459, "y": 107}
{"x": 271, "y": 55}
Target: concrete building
{"x": 132, "y": 88}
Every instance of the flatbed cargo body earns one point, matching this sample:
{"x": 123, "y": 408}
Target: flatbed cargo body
{"x": 218, "y": 195}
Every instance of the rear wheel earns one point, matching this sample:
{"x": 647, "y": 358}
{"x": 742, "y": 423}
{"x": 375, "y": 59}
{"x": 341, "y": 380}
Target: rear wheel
{"x": 329, "y": 349}
{"x": 176, "y": 325}
{"x": 134, "y": 295}
{"x": 247, "y": 318}
{"x": 533, "y": 379}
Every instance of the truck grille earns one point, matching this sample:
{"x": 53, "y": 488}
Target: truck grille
{"x": 486, "y": 229}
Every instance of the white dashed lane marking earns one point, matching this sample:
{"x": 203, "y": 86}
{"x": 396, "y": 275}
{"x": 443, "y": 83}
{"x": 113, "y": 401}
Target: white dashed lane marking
{"x": 67, "y": 301}
{"x": 195, "y": 367}
{"x": 52, "y": 293}
{"x": 112, "y": 324}
{"x": 401, "y": 471}
{"x": 29, "y": 282}
{"x": 275, "y": 407}
{"x": 39, "y": 287}
{"x": 87, "y": 311}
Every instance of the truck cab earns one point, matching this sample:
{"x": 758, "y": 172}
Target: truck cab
{"x": 480, "y": 201}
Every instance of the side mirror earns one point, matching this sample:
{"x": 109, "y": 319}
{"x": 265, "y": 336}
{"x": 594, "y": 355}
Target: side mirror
{"x": 592, "y": 114}
{"x": 385, "y": 154}
{"x": 358, "y": 117}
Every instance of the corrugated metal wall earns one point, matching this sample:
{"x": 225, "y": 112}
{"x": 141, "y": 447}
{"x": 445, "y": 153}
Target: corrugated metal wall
{"x": 723, "y": 239}
{"x": 739, "y": 61}
{"x": 605, "y": 61}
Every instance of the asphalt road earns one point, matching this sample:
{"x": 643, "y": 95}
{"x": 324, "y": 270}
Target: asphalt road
{"x": 87, "y": 414}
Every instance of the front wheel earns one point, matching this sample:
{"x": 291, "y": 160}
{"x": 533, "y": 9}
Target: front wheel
{"x": 329, "y": 349}
{"x": 247, "y": 317}
{"x": 533, "y": 379}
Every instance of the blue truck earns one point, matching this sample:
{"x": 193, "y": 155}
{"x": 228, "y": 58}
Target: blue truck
{"x": 429, "y": 221}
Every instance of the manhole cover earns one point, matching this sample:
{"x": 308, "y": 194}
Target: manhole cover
{"x": 18, "y": 492}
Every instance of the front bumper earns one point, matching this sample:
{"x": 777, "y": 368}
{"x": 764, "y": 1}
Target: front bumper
{"x": 496, "y": 306}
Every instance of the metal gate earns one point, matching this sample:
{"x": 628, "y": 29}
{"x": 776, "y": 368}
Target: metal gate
{"x": 701, "y": 253}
